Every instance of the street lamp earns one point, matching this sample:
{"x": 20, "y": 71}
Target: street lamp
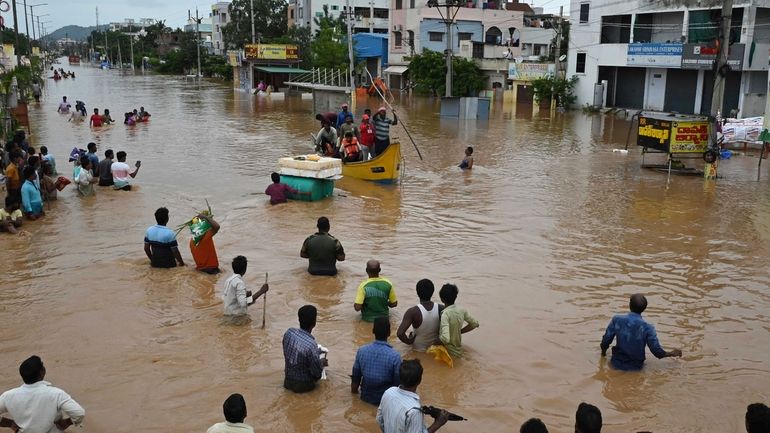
{"x": 452, "y": 8}
{"x": 44, "y": 31}
{"x": 26, "y": 23}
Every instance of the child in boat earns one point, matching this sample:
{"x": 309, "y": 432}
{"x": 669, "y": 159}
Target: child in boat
{"x": 467, "y": 162}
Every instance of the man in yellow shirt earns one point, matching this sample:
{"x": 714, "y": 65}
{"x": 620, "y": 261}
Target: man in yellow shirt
{"x": 13, "y": 176}
{"x": 10, "y": 215}
{"x": 375, "y": 295}
{"x": 453, "y": 321}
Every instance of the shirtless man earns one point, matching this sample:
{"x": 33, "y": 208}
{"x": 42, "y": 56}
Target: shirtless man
{"x": 423, "y": 318}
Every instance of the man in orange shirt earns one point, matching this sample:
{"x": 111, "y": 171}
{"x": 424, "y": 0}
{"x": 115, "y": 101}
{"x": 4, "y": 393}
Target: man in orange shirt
{"x": 204, "y": 254}
{"x": 12, "y": 175}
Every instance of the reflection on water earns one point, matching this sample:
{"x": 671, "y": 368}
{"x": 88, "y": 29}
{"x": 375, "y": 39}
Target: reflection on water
{"x": 546, "y": 238}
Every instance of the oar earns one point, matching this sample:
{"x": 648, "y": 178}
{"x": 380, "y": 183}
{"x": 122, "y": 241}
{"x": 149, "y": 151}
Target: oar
{"x": 264, "y": 305}
{"x": 391, "y": 107}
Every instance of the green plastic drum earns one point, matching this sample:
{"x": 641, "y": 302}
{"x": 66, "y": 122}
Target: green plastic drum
{"x": 319, "y": 189}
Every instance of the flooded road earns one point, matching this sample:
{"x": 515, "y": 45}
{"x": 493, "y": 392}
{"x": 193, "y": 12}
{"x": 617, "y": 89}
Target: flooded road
{"x": 546, "y": 239}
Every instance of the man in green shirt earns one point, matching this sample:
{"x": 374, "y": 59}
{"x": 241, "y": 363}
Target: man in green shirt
{"x": 453, "y": 321}
{"x": 323, "y": 250}
{"x": 375, "y": 295}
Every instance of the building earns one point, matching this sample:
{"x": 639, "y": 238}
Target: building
{"x": 659, "y": 55}
{"x": 370, "y": 16}
{"x": 538, "y": 33}
{"x": 130, "y": 24}
{"x": 205, "y": 30}
{"x": 482, "y": 31}
{"x": 220, "y": 17}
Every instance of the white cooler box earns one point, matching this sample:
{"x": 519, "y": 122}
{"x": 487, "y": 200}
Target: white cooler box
{"x": 321, "y": 169}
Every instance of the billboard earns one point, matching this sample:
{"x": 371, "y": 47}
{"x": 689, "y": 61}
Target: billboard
{"x": 271, "y": 52}
{"x": 657, "y": 55}
{"x": 702, "y": 56}
{"x": 654, "y": 133}
{"x": 529, "y": 71}
{"x": 689, "y": 137}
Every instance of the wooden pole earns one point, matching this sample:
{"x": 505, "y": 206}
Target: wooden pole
{"x": 264, "y": 305}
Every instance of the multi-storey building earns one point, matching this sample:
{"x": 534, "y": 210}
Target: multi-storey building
{"x": 659, "y": 55}
{"x": 486, "y": 31}
{"x": 369, "y": 15}
{"x": 220, "y": 16}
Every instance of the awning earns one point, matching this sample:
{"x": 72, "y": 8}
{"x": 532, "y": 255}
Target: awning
{"x": 281, "y": 70}
{"x": 397, "y": 70}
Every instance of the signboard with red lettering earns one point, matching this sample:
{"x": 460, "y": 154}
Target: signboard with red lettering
{"x": 703, "y": 56}
{"x": 689, "y": 137}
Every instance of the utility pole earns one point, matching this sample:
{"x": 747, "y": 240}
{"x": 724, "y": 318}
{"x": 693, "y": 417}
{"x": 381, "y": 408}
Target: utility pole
{"x": 120, "y": 56}
{"x": 371, "y": 16}
{"x": 253, "y": 31}
{"x": 198, "y": 32}
{"x": 350, "y": 56}
{"x": 26, "y": 27}
{"x": 557, "y": 54}
{"x": 718, "y": 92}
{"x": 16, "y": 33}
{"x": 448, "y": 91}
{"x": 132, "y": 52}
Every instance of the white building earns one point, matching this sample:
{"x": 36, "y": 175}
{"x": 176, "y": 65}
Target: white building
{"x": 656, "y": 55}
{"x": 537, "y": 34}
{"x": 220, "y": 16}
{"x": 370, "y": 15}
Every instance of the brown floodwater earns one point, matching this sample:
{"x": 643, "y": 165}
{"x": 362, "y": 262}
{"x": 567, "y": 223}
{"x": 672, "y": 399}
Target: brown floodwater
{"x": 546, "y": 239}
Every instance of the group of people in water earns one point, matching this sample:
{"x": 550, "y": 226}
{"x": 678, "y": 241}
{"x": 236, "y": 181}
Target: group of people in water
{"x": 60, "y": 73}
{"x": 97, "y": 120}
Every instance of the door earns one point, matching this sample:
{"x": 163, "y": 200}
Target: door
{"x": 656, "y": 89}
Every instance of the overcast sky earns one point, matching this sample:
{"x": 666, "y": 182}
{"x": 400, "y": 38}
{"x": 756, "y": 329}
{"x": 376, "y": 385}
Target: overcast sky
{"x": 174, "y": 12}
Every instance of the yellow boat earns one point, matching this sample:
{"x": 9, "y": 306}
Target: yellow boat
{"x": 385, "y": 168}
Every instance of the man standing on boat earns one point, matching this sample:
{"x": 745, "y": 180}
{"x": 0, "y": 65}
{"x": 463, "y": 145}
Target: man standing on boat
{"x": 366, "y": 131}
{"x": 343, "y": 115}
{"x": 382, "y": 130}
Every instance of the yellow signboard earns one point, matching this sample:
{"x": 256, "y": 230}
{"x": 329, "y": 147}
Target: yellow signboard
{"x": 689, "y": 137}
{"x": 271, "y": 52}
{"x": 232, "y": 58}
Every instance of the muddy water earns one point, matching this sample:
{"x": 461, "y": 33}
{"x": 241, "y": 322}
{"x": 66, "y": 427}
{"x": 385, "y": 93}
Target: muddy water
{"x": 546, "y": 238}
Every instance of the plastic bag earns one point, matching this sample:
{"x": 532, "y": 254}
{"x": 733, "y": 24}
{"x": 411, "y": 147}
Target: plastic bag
{"x": 198, "y": 228}
{"x": 440, "y": 354}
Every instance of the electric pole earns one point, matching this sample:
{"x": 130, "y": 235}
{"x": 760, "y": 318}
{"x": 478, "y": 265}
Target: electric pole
{"x": 26, "y": 27}
{"x": 557, "y": 54}
{"x": 718, "y": 95}
{"x": 371, "y": 16}
{"x": 350, "y": 56}
{"x": 253, "y": 31}
{"x": 198, "y": 31}
{"x": 448, "y": 19}
{"x": 16, "y": 33}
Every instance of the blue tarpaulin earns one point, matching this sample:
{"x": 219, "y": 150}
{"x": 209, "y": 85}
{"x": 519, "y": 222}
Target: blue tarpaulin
{"x": 371, "y": 45}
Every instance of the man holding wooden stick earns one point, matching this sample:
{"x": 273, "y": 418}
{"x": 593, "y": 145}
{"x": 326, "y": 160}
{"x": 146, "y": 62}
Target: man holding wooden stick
{"x": 235, "y": 296}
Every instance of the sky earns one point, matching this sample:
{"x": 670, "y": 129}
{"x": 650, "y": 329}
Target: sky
{"x": 174, "y": 12}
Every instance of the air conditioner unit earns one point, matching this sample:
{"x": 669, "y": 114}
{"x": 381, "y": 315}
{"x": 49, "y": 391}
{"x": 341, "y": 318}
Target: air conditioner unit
{"x": 397, "y": 27}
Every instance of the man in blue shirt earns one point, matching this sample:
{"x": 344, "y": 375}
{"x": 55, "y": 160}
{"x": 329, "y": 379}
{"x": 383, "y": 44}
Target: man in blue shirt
{"x": 302, "y": 356}
{"x": 160, "y": 243}
{"x": 342, "y": 115}
{"x": 633, "y": 334}
{"x": 377, "y": 365}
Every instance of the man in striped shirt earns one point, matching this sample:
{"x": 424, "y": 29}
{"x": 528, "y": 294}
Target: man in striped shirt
{"x": 400, "y": 409}
{"x": 382, "y": 130}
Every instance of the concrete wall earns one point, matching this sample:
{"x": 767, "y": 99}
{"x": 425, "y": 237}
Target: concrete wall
{"x": 328, "y": 100}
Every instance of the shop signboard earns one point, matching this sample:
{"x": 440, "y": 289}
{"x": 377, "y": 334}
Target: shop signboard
{"x": 654, "y": 133}
{"x": 271, "y": 52}
{"x": 686, "y": 134}
{"x": 689, "y": 137}
{"x": 655, "y": 55}
{"x": 529, "y": 71}
{"x": 703, "y": 56}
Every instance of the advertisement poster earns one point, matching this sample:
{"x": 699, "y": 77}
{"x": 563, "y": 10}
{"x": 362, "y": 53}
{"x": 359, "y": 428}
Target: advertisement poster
{"x": 689, "y": 137}
{"x": 271, "y": 52}
{"x": 654, "y": 133}
{"x": 660, "y": 55}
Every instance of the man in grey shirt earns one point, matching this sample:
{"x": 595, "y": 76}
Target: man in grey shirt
{"x": 104, "y": 169}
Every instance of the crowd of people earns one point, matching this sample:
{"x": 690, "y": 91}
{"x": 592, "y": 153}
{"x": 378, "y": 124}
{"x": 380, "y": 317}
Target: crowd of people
{"x": 378, "y": 374}
{"x": 340, "y": 137}
{"x": 97, "y": 120}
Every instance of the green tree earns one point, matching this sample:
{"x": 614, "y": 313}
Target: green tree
{"x": 301, "y": 37}
{"x": 329, "y": 48}
{"x": 270, "y": 22}
{"x": 428, "y": 73}
{"x": 543, "y": 88}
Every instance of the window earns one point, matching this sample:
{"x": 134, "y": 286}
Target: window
{"x": 411, "y": 4}
{"x": 223, "y": 17}
{"x": 301, "y": 13}
{"x": 580, "y": 64}
{"x": 435, "y": 36}
{"x": 536, "y": 50}
{"x": 217, "y": 28}
{"x": 399, "y": 4}
{"x": 381, "y": 13}
{"x": 494, "y": 36}
{"x": 319, "y": 14}
{"x": 616, "y": 29}
{"x": 410, "y": 41}
{"x": 335, "y": 7}
{"x": 397, "y": 39}
{"x": 462, "y": 36}
{"x": 584, "y": 12}
{"x": 291, "y": 14}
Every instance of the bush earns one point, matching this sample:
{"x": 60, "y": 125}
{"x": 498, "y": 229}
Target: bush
{"x": 562, "y": 89}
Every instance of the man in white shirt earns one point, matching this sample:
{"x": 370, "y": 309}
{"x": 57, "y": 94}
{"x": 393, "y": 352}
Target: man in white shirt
{"x": 235, "y": 413}
{"x": 36, "y": 406}
{"x": 235, "y": 296}
{"x": 121, "y": 172}
{"x": 400, "y": 410}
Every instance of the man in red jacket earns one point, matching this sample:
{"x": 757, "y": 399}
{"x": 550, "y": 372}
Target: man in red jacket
{"x": 366, "y": 130}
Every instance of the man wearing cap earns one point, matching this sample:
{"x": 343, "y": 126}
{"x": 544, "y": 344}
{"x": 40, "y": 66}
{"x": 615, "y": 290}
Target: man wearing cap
{"x": 348, "y": 126}
{"x": 366, "y": 132}
{"x": 343, "y": 115}
{"x": 382, "y": 131}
